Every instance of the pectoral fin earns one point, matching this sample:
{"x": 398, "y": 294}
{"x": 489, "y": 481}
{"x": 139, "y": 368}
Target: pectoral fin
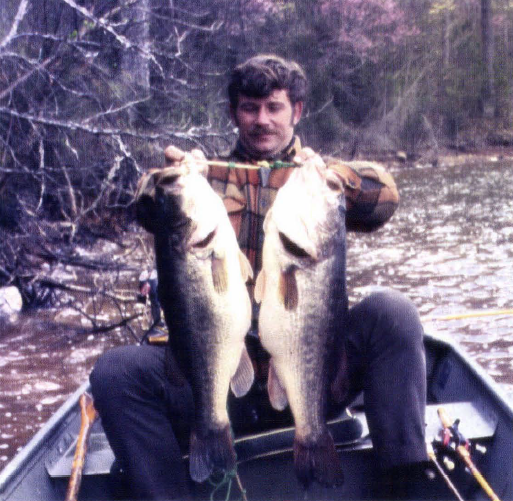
{"x": 277, "y": 393}
{"x": 287, "y": 289}
{"x": 243, "y": 378}
{"x": 219, "y": 274}
{"x": 260, "y": 287}
{"x": 245, "y": 267}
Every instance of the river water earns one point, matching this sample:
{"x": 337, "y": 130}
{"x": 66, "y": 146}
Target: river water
{"x": 449, "y": 247}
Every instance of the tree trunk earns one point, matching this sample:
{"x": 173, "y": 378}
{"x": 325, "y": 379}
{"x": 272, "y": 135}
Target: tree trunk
{"x": 488, "y": 89}
{"x": 135, "y": 60}
{"x": 447, "y": 40}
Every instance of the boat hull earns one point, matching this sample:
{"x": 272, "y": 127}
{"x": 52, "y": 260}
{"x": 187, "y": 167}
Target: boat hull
{"x": 41, "y": 470}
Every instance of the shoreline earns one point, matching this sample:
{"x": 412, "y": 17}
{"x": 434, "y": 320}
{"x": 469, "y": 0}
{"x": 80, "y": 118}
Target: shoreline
{"x": 444, "y": 157}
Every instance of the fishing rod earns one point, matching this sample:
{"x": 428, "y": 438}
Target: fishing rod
{"x": 448, "y": 481}
{"x": 452, "y": 434}
{"x": 469, "y": 314}
{"x": 88, "y": 417}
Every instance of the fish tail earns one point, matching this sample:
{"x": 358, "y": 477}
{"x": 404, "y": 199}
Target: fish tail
{"x": 211, "y": 451}
{"x": 318, "y": 461}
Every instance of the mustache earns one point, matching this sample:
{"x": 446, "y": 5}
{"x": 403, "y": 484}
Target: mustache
{"x": 261, "y": 130}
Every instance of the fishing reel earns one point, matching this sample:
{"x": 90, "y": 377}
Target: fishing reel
{"x": 446, "y": 444}
{"x": 451, "y": 443}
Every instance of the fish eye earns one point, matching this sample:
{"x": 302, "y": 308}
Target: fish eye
{"x": 292, "y": 248}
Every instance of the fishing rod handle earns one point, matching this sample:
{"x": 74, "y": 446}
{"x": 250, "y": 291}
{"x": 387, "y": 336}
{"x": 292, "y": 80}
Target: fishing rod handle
{"x": 88, "y": 416}
{"x": 447, "y": 422}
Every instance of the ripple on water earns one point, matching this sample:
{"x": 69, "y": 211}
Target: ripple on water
{"x": 47, "y": 386}
{"x": 453, "y": 254}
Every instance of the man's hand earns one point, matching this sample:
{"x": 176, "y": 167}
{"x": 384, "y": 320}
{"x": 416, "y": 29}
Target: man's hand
{"x": 177, "y": 163}
{"x": 307, "y": 155}
{"x": 175, "y": 157}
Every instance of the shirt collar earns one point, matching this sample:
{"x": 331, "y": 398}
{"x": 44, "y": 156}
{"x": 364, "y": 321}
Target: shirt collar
{"x": 285, "y": 155}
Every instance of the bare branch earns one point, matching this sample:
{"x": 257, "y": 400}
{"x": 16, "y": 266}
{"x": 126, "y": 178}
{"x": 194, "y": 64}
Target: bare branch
{"x": 124, "y": 41}
{"x": 118, "y": 109}
{"x": 41, "y": 167}
{"x": 26, "y": 76}
{"x": 191, "y": 134}
{"x": 22, "y": 10}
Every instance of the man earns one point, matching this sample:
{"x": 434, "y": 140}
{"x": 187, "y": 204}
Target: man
{"x": 148, "y": 289}
{"x": 146, "y": 420}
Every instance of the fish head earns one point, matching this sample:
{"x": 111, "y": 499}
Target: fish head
{"x": 308, "y": 214}
{"x": 178, "y": 201}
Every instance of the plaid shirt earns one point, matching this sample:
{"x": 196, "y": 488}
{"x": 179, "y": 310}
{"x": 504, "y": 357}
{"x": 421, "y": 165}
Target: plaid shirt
{"x": 371, "y": 196}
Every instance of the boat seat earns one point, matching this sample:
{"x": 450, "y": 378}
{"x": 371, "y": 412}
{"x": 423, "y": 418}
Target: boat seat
{"x": 349, "y": 433}
{"x": 99, "y": 457}
{"x": 475, "y": 423}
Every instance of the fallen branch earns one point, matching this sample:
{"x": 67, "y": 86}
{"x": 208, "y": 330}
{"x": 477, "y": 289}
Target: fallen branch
{"x": 52, "y": 283}
{"x": 90, "y": 264}
{"x": 106, "y": 328}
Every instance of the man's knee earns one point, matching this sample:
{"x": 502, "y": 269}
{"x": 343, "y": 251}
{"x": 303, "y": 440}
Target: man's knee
{"x": 120, "y": 369}
{"x": 106, "y": 374}
{"x": 392, "y": 315}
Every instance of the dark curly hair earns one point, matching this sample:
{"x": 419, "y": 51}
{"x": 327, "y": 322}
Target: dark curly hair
{"x": 260, "y": 75}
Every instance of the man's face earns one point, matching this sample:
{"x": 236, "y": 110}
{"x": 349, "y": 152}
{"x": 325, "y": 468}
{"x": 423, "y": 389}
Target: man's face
{"x": 266, "y": 124}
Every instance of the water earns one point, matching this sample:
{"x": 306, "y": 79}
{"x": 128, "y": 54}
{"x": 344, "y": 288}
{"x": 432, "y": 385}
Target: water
{"x": 449, "y": 247}
{"x": 46, "y": 355}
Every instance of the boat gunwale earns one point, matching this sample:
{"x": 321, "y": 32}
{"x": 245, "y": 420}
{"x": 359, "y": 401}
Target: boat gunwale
{"x": 491, "y": 386}
{"x": 39, "y": 440}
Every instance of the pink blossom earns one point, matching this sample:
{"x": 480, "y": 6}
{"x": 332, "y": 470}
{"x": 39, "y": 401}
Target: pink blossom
{"x": 367, "y": 25}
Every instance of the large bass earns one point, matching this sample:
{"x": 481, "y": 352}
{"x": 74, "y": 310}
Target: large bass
{"x": 202, "y": 275}
{"x": 303, "y": 304}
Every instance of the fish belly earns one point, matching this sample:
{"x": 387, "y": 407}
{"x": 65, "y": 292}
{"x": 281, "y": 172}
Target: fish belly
{"x": 218, "y": 341}
{"x": 299, "y": 343}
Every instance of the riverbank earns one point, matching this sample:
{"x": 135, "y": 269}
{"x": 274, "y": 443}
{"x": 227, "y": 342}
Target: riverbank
{"x": 491, "y": 155}
{"x": 445, "y": 157}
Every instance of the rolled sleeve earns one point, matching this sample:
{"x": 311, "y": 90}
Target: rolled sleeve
{"x": 371, "y": 194}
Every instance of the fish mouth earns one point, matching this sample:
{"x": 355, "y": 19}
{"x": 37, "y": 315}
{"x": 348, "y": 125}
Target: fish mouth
{"x": 295, "y": 249}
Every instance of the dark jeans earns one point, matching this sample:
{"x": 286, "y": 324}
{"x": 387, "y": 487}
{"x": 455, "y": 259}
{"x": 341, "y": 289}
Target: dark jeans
{"x": 146, "y": 419}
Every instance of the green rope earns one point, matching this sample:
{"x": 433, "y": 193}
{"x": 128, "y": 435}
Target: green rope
{"x": 226, "y": 479}
{"x": 278, "y": 164}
